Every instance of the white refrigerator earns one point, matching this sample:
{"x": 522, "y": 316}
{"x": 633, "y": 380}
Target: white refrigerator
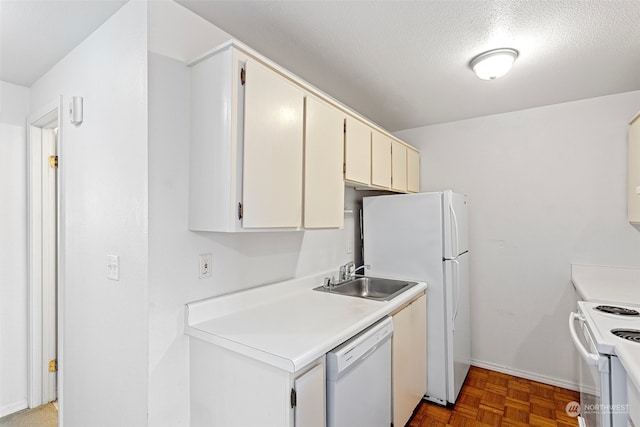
{"x": 423, "y": 237}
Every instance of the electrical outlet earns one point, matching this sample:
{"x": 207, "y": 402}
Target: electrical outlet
{"x": 113, "y": 267}
{"x": 204, "y": 266}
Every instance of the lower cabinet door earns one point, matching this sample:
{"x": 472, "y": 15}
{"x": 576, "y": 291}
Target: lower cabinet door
{"x": 409, "y": 359}
{"x": 310, "y": 398}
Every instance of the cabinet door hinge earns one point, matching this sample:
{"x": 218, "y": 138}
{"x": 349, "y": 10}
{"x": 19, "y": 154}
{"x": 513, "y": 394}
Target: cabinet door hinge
{"x": 243, "y": 76}
{"x": 344, "y": 127}
{"x": 344, "y": 168}
{"x": 294, "y": 398}
{"x": 240, "y": 211}
{"x": 53, "y": 365}
{"x": 53, "y": 162}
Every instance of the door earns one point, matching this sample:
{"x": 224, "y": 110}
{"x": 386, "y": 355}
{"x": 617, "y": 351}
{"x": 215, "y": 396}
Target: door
{"x": 458, "y": 326}
{"x": 409, "y": 359}
{"x": 380, "y": 160}
{"x": 310, "y": 398}
{"x": 323, "y": 159}
{"x": 357, "y": 152}
{"x": 456, "y": 228}
{"x": 273, "y": 146}
{"x": 50, "y": 260}
{"x": 45, "y": 254}
{"x": 403, "y": 239}
{"x": 413, "y": 171}
{"x": 593, "y": 376}
{"x": 399, "y": 166}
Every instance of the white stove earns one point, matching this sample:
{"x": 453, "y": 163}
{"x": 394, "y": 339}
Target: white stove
{"x": 603, "y": 318}
{"x": 603, "y": 327}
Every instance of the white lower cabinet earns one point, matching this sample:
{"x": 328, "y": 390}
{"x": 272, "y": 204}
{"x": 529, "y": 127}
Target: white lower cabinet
{"x": 229, "y": 389}
{"x": 409, "y": 359}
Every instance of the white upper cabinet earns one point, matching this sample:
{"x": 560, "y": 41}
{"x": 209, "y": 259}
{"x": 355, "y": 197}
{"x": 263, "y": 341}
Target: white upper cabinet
{"x": 323, "y": 160}
{"x": 413, "y": 171}
{"x": 262, "y": 159}
{"x": 380, "y": 160}
{"x": 398, "y": 167}
{"x": 273, "y": 144}
{"x": 357, "y": 152}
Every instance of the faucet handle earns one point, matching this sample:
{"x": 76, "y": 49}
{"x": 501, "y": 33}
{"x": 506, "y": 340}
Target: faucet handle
{"x": 326, "y": 282}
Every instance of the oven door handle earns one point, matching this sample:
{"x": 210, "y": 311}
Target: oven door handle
{"x": 590, "y": 358}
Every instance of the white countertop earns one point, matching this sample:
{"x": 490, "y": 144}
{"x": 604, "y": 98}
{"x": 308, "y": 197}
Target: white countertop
{"x": 607, "y": 284}
{"x": 614, "y": 285}
{"x": 287, "y": 325}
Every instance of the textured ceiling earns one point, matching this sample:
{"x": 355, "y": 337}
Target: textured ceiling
{"x": 35, "y": 35}
{"x": 403, "y": 64}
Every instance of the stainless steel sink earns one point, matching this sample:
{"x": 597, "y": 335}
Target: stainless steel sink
{"x": 369, "y": 287}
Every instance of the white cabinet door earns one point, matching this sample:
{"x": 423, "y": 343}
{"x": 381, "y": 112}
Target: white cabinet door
{"x": 401, "y": 348}
{"x": 357, "y": 152}
{"x": 398, "y": 167}
{"x": 409, "y": 346}
{"x": 323, "y": 160}
{"x": 273, "y": 132}
{"x": 633, "y": 171}
{"x": 380, "y": 160}
{"x": 413, "y": 171}
{"x": 417, "y": 385}
{"x": 310, "y": 398}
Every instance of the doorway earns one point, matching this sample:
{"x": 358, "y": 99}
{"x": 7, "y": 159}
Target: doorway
{"x": 44, "y": 137}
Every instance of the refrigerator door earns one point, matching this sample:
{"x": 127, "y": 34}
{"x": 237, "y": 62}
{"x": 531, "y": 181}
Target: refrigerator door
{"x": 458, "y": 327}
{"x": 403, "y": 239}
{"x": 402, "y": 236}
{"x": 456, "y": 228}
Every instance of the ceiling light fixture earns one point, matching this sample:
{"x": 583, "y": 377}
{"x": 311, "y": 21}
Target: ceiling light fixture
{"x": 494, "y": 63}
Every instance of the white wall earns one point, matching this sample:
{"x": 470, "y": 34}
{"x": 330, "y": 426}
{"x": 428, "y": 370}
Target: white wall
{"x": 547, "y": 187}
{"x": 240, "y": 261}
{"x": 103, "y": 170}
{"x": 14, "y": 108}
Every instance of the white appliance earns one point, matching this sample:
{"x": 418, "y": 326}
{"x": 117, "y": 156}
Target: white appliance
{"x": 359, "y": 379}
{"x": 423, "y": 237}
{"x": 602, "y": 378}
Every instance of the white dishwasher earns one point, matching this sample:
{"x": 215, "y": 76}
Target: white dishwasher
{"x": 359, "y": 379}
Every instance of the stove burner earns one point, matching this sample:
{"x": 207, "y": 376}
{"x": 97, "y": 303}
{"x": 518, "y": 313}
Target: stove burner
{"x": 620, "y": 311}
{"x": 627, "y": 334}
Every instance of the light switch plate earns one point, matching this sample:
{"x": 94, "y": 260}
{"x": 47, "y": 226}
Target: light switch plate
{"x": 113, "y": 267}
{"x": 204, "y": 266}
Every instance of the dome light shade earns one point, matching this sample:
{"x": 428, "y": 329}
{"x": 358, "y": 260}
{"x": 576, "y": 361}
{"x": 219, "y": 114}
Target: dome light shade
{"x": 493, "y": 63}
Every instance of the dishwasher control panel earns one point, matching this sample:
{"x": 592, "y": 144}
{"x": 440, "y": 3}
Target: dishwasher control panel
{"x": 360, "y": 346}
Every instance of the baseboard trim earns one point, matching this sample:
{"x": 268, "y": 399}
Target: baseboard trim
{"x": 525, "y": 374}
{"x": 13, "y": 407}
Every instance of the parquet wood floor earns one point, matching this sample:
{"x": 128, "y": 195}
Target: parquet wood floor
{"x": 490, "y": 398}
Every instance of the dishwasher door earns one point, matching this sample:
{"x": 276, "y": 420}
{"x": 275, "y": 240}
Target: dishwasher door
{"x": 359, "y": 379}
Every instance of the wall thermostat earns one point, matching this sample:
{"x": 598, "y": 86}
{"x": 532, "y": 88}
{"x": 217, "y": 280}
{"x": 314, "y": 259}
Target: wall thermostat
{"x": 75, "y": 110}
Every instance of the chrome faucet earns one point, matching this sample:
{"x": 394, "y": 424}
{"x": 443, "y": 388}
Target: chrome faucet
{"x": 345, "y": 271}
{"x": 348, "y": 271}
{"x": 363, "y": 266}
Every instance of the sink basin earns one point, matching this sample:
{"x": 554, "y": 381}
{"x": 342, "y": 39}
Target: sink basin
{"x": 370, "y": 288}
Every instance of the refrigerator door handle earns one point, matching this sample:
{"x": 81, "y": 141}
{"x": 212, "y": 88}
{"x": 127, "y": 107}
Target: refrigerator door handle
{"x": 456, "y": 292}
{"x": 454, "y": 232}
